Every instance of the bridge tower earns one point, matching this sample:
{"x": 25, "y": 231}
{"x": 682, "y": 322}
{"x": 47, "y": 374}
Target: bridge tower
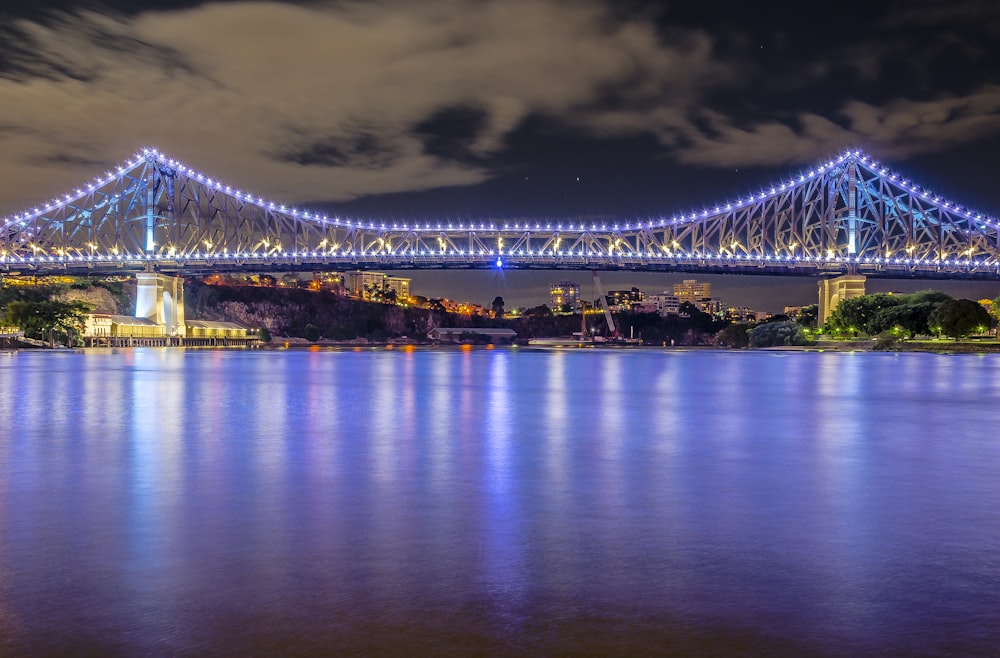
{"x": 847, "y": 286}
{"x": 835, "y": 290}
{"x": 160, "y": 298}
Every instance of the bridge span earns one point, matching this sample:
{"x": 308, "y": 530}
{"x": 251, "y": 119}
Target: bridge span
{"x": 850, "y": 215}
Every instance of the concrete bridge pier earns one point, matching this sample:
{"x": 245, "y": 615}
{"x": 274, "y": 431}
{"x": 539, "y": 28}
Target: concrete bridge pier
{"x": 835, "y": 290}
{"x": 160, "y": 298}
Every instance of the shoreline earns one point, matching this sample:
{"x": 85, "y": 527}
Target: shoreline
{"x": 278, "y": 343}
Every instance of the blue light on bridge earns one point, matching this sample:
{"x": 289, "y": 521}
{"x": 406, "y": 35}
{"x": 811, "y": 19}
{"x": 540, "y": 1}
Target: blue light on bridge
{"x": 499, "y": 263}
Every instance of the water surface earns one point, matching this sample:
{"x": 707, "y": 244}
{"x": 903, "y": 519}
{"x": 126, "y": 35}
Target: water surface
{"x": 165, "y": 502}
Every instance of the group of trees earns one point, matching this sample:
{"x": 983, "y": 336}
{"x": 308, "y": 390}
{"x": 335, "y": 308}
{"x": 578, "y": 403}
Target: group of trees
{"x": 889, "y": 316}
{"x": 778, "y": 331}
{"x": 924, "y": 313}
{"x": 42, "y": 311}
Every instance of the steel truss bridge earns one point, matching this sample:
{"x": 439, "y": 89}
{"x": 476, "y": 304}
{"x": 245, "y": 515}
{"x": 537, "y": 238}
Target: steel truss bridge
{"x": 847, "y": 215}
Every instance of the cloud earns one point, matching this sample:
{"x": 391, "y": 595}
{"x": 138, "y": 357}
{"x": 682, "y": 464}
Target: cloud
{"x": 337, "y": 100}
{"x": 897, "y": 130}
{"x": 323, "y": 102}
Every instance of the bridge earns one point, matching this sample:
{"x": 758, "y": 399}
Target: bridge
{"x": 849, "y": 216}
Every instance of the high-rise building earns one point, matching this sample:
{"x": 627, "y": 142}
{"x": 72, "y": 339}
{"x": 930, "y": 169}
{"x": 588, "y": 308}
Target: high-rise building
{"x": 374, "y": 285}
{"x": 400, "y": 285}
{"x": 564, "y": 295}
{"x": 364, "y": 283}
{"x": 691, "y": 290}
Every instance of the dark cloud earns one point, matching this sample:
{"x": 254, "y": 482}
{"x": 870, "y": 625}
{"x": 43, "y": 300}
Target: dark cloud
{"x": 67, "y": 160}
{"x": 363, "y": 150}
{"x": 452, "y": 132}
{"x": 391, "y": 96}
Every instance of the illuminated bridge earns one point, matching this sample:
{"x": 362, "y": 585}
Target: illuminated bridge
{"x": 849, "y": 214}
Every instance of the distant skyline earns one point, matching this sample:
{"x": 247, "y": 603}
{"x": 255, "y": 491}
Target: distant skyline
{"x": 763, "y": 293}
{"x": 499, "y": 108}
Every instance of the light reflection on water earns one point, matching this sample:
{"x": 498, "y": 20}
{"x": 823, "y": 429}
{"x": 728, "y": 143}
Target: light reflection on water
{"x": 516, "y": 501}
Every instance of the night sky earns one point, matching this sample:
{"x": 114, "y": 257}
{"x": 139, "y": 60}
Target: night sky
{"x": 501, "y": 109}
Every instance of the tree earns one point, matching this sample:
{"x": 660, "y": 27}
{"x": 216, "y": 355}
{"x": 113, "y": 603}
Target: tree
{"x": 776, "y": 334}
{"x": 311, "y": 333}
{"x": 808, "y": 316}
{"x": 852, "y": 316}
{"x": 735, "y": 335}
{"x": 910, "y": 316}
{"x": 960, "y": 317}
{"x": 43, "y": 319}
{"x": 541, "y": 309}
{"x": 264, "y": 334}
{"x": 496, "y": 308}
{"x": 991, "y": 308}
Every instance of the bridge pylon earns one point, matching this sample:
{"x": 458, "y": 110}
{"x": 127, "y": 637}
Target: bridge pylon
{"x": 835, "y": 290}
{"x": 160, "y": 298}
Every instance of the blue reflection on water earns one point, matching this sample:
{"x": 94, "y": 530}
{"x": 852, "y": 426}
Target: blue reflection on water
{"x": 162, "y": 501}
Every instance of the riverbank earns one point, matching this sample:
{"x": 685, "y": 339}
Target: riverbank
{"x": 932, "y": 346}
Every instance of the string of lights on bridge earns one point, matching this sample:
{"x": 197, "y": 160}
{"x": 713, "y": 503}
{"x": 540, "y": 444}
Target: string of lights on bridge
{"x": 555, "y": 258}
{"x": 153, "y": 155}
{"x": 871, "y": 164}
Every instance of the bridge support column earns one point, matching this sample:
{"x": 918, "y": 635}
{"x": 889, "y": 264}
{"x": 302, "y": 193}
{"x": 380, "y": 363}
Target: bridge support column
{"x": 833, "y": 291}
{"x": 160, "y": 298}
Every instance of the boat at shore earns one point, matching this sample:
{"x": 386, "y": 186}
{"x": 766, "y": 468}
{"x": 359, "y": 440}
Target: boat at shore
{"x": 578, "y": 340}
{"x": 565, "y": 341}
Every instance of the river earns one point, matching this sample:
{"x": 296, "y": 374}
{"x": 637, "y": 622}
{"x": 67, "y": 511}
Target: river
{"x": 508, "y": 501}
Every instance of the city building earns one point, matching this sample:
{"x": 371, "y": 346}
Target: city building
{"x": 400, "y": 286}
{"x": 97, "y": 325}
{"x": 363, "y": 284}
{"x": 624, "y": 300}
{"x": 710, "y": 305}
{"x": 373, "y": 286}
{"x": 107, "y": 325}
{"x": 463, "y": 308}
{"x": 743, "y": 314}
{"x": 328, "y": 281}
{"x": 691, "y": 290}
{"x": 664, "y": 303}
{"x": 698, "y": 293}
{"x": 213, "y": 329}
{"x": 564, "y": 295}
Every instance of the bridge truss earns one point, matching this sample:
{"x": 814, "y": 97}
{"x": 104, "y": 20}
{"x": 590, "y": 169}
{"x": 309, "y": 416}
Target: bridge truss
{"x": 849, "y": 214}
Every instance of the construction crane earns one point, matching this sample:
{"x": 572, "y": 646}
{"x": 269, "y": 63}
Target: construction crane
{"x": 604, "y": 305}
